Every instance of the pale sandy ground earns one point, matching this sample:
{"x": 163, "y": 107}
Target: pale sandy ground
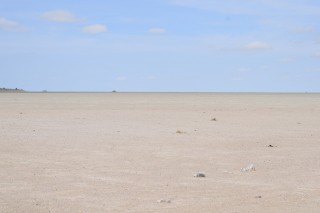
{"x": 120, "y": 152}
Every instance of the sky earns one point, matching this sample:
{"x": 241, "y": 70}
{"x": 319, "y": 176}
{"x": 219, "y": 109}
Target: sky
{"x": 160, "y": 45}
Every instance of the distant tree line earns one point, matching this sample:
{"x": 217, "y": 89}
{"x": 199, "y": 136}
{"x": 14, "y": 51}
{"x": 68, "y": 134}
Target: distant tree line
{"x": 3, "y": 89}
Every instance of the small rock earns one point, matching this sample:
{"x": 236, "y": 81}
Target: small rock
{"x": 250, "y": 168}
{"x": 258, "y": 196}
{"x": 199, "y": 175}
{"x": 164, "y": 201}
{"x": 213, "y": 119}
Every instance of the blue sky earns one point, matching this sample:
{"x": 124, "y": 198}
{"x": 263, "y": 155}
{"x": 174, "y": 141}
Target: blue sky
{"x": 160, "y": 45}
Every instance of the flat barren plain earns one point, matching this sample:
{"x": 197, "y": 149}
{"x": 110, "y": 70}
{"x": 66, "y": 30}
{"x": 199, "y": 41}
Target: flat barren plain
{"x": 139, "y": 152}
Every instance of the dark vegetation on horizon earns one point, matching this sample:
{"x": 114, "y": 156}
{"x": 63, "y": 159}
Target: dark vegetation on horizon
{"x": 3, "y": 89}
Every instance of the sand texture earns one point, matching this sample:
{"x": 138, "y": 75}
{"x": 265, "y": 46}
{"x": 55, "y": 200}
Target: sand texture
{"x": 135, "y": 152}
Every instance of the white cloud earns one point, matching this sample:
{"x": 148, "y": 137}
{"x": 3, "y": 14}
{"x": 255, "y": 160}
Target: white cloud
{"x": 157, "y": 30}
{"x": 151, "y": 77}
{"x": 257, "y": 45}
{"x": 11, "y": 26}
{"x": 237, "y": 79}
{"x": 303, "y": 30}
{"x": 286, "y": 60}
{"x": 243, "y": 69}
{"x": 7, "y": 23}
{"x": 317, "y": 54}
{"x": 121, "y": 78}
{"x": 264, "y": 67}
{"x": 60, "y": 16}
{"x": 96, "y": 28}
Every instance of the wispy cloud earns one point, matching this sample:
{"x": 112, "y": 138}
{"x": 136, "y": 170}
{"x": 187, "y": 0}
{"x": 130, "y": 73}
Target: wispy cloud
{"x": 257, "y": 45}
{"x": 317, "y": 54}
{"x": 219, "y": 6}
{"x": 286, "y": 60}
{"x": 257, "y": 7}
{"x": 157, "y": 30}
{"x": 151, "y": 77}
{"x": 60, "y": 16}
{"x": 10, "y": 25}
{"x": 121, "y": 78}
{"x": 243, "y": 69}
{"x": 95, "y": 28}
{"x": 237, "y": 79}
{"x": 307, "y": 29}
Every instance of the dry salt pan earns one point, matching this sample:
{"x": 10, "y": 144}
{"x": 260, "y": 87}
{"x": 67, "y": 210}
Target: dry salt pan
{"x": 249, "y": 168}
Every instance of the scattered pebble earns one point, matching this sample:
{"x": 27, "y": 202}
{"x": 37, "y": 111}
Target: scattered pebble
{"x": 213, "y": 119}
{"x": 164, "y": 201}
{"x": 258, "y": 196}
{"x": 199, "y": 174}
{"x": 180, "y": 132}
{"x": 250, "y": 168}
{"x": 270, "y": 145}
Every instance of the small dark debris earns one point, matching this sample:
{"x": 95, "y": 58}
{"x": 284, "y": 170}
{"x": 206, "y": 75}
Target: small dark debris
{"x": 258, "y": 196}
{"x": 164, "y": 201}
{"x": 213, "y": 119}
{"x": 199, "y": 175}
